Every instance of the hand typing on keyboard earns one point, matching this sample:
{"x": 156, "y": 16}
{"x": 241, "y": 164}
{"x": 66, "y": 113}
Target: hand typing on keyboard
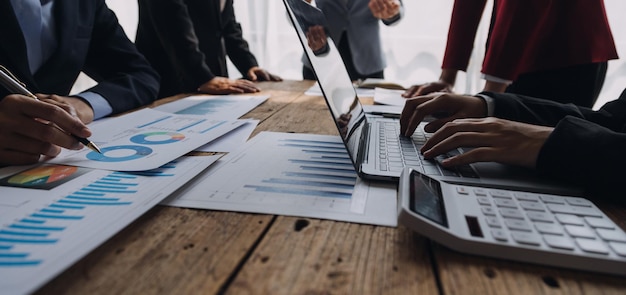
{"x": 492, "y": 140}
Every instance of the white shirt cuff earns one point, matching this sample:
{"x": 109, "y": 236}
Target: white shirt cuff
{"x": 495, "y": 79}
{"x": 490, "y": 103}
{"x": 101, "y": 107}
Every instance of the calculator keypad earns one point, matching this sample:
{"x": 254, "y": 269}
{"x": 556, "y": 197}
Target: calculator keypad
{"x": 558, "y": 222}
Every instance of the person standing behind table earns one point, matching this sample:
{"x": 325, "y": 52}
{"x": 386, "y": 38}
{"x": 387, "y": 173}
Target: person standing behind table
{"x": 354, "y": 26}
{"x": 187, "y": 42}
{"x": 557, "y": 50}
{"x": 45, "y": 45}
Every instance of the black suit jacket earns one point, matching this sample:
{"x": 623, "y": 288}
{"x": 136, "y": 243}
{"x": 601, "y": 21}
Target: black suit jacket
{"x": 587, "y": 147}
{"x": 89, "y": 40}
{"x": 182, "y": 39}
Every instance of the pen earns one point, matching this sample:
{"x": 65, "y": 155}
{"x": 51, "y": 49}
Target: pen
{"x": 11, "y": 83}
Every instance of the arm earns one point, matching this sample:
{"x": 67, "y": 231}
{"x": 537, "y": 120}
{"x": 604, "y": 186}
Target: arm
{"x": 171, "y": 20}
{"x": 544, "y": 112}
{"x": 464, "y": 22}
{"x": 585, "y": 153}
{"x": 236, "y": 46}
{"x": 125, "y": 79}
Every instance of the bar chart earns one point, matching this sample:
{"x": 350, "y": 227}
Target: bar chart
{"x": 291, "y": 174}
{"x": 54, "y": 228}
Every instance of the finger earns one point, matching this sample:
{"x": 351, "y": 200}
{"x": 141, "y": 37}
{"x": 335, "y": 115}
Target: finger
{"x": 406, "y": 117}
{"x": 30, "y": 146}
{"x": 264, "y": 76}
{"x": 246, "y": 86}
{"x": 448, "y": 130}
{"x": 49, "y": 133}
{"x": 10, "y": 157}
{"x": 252, "y": 76}
{"x": 275, "y": 78}
{"x": 55, "y": 114}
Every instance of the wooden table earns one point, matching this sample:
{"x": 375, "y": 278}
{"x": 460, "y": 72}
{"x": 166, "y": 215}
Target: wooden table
{"x": 186, "y": 251}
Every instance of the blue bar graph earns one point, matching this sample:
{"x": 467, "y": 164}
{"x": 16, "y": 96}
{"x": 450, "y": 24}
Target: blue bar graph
{"x": 315, "y": 169}
{"x": 212, "y": 127}
{"x": 191, "y": 125}
{"x": 45, "y": 226}
{"x": 154, "y": 122}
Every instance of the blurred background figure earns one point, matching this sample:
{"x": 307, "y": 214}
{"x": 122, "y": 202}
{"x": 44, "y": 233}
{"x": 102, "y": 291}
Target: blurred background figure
{"x": 354, "y": 27}
{"x": 187, "y": 42}
{"x": 556, "y": 50}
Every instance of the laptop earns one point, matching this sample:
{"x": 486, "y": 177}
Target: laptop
{"x": 374, "y": 144}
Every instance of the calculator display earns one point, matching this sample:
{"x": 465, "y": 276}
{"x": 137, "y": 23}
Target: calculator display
{"x": 426, "y": 198}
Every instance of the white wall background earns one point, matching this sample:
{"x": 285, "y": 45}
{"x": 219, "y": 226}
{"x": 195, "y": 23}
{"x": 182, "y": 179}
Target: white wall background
{"x": 414, "y": 48}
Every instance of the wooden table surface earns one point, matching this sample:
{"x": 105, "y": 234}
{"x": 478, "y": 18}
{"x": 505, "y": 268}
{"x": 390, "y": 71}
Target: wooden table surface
{"x": 187, "y": 251}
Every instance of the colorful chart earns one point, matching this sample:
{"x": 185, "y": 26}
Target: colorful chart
{"x": 43, "y": 177}
{"x": 120, "y": 153}
{"x": 158, "y": 137}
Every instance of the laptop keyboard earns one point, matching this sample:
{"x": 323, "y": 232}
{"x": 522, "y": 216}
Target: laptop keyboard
{"x": 395, "y": 151}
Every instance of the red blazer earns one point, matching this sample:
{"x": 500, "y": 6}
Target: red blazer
{"x": 531, "y": 35}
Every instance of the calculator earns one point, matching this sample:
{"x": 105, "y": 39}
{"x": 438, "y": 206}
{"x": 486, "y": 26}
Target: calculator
{"x": 547, "y": 229}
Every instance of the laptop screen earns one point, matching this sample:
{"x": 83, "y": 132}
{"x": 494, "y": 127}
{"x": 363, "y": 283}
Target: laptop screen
{"x": 332, "y": 76}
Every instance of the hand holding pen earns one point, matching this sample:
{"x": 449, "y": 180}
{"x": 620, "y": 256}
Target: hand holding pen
{"x": 32, "y": 127}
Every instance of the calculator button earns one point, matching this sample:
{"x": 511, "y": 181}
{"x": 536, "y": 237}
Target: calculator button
{"x": 549, "y": 228}
{"x": 599, "y": 222}
{"x": 493, "y": 222}
{"x": 553, "y": 199}
{"x": 619, "y": 248}
{"x": 569, "y": 219}
{"x": 500, "y": 194}
{"x": 511, "y": 213}
{"x": 559, "y": 242}
{"x": 574, "y": 210}
{"x": 505, "y": 203}
{"x": 499, "y": 235}
{"x": 540, "y": 216}
{"x": 480, "y": 192}
{"x": 462, "y": 190}
{"x": 488, "y": 211}
{"x": 484, "y": 201}
{"x": 612, "y": 235}
{"x": 579, "y": 202}
{"x": 526, "y": 238}
{"x": 592, "y": 246}
{"x": 580, "y": 231}
{"x": 526, "y": 197}
{"x": 534, "y": 206}
{"x": 517, "y": 224}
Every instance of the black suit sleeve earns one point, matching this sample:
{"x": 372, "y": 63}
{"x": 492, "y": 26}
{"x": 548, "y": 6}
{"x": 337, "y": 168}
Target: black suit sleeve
{"x": 236, "y": 46}
{"x": 125, "y": 79}
{"x": 175, "y": 30}
{"x": 586, "y": 147}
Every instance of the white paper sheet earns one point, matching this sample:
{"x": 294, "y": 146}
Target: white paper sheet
{"x": 224, "y": 107}
{"x": 291, "y": 174}
{"x": 145, "y": 139}
{"x": 231, "y": 141}
{"x": 53, "y": 215}
{"x": 389, "y": 97}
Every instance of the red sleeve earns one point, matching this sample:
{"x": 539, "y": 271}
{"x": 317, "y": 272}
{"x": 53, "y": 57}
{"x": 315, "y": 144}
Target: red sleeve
{"x": 466, "y": 15}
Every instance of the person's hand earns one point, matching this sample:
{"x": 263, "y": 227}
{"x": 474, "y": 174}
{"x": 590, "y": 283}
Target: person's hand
{"x": 317, "y": 40}
{"x": 423, "y": 89}
{"x": 27, "y": 129}
{"x": 492, "y": 140}
{"x": 384, "y": 9}
{"x": 73, "y": 105}
{"x": 222, "y": 85}
{"x": 259, "y": 74}
{"x": 445, "y": 107}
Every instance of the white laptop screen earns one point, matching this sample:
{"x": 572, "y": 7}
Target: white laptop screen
{"x": 332, "y": 76}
